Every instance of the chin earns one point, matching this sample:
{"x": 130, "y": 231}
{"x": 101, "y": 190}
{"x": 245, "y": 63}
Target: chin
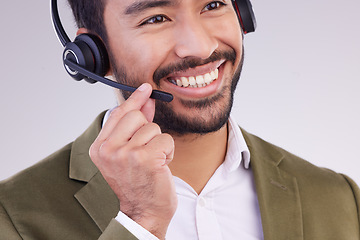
{"x": 199, "y": 116}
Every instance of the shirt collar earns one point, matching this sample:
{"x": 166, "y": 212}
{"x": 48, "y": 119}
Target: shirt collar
{"x": 107, "y": 115}
{"x": 237, "y": 149}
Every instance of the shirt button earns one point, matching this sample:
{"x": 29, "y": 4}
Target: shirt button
{"x": 202, "y": 202}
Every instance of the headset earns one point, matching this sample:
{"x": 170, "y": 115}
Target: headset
{"x": 86, "y": 57}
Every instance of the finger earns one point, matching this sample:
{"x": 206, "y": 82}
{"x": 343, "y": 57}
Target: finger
{"x": 125, "y": 129}
{"x": 163, "y": 147}
{"x": 145, "y": 134}
{"x": 148, "y": 109}
{"x": 135, "y": 102}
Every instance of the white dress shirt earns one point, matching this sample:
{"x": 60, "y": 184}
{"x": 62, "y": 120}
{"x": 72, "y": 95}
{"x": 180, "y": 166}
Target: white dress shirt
{"x": 227, "y": 208}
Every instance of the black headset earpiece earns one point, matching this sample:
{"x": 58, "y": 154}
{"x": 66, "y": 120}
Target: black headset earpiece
{"x": 88, "y": 51}
{"x": 245, "y": 15}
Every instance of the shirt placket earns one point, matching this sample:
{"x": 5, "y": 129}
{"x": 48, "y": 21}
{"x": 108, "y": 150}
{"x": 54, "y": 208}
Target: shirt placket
{"x": 206, "y": 221}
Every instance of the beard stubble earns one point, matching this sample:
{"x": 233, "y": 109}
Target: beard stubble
{"x": 207, "y": 115}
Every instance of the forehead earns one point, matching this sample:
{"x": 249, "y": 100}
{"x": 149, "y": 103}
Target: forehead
{"x": 134, "y": 6}
{"x": 141, "y": 5}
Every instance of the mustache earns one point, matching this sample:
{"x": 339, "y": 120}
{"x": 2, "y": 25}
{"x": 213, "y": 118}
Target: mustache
{"x": 192, "y": 62}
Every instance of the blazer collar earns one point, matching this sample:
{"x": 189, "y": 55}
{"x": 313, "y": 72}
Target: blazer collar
{"x": 81, "y": 166}
{"x": 277, "y": 191}
{"x": 96, "y": 197}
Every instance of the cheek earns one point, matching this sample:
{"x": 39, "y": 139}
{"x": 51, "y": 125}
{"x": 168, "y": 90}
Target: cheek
{"x": 145, "y": 52}
{"x": 137, "y": 54}
{"x": 228, "y": 32}
{"x": 140, "y": 56}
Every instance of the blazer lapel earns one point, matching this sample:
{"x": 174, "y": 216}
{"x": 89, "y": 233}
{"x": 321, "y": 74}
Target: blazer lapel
{"x": 277, "y": 191}
{"x": 96, "y": 197}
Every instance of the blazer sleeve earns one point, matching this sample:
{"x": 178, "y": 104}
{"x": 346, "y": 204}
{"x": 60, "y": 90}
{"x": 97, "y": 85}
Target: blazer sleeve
{"x": 356, "y": 191}
{"x": 114, "y": 230}
{"x": 7, "y": 228}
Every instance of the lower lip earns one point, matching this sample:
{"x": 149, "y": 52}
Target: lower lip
{"x": 201, "y": 92}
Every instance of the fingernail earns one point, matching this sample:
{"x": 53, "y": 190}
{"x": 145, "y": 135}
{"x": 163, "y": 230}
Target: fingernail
{"x": 143, "y": 87}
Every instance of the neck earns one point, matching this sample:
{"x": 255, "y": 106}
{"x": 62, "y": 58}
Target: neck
{"x": 197, "y": 157}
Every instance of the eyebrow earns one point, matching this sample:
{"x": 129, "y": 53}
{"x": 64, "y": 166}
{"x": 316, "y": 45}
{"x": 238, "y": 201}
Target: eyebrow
{"x": 142, "y": 5}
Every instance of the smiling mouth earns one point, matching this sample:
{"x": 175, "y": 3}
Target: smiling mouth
{"x": 195, "y": 81}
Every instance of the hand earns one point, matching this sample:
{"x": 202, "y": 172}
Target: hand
{"x": 132, "y": 154}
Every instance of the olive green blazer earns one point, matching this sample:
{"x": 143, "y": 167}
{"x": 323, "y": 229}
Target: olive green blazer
{"x": 66, "y": 197}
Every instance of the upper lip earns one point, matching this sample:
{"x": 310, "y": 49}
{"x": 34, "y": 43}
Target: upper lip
{"x": 200, "y": 70}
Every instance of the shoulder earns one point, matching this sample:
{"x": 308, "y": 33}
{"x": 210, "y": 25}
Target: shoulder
{"x": 55, "y": 168}
{"x": 310, "y": 178}
{"x": 38, "y": 179}
{"x": 286, "y": 160}
{"x": 325, "y": 196}
{"x": 41, "y": 200}
{"x": 50, "y": 177}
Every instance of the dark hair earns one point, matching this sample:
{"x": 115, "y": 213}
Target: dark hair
{"x": 89, "y": 14}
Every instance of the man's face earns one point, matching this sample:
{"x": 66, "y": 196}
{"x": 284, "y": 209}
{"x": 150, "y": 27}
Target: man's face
{"x": 189, "y": 48}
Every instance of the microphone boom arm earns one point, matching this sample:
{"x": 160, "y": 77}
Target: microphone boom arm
{"x": 156, "y": 94}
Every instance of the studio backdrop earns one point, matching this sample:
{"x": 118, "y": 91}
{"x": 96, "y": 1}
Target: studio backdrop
{"x": 299, "y": 88}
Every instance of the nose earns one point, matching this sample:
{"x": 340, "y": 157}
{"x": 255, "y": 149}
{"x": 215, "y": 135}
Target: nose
{"x": 194, "y": 39}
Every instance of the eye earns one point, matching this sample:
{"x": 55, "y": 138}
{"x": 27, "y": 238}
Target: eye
{"x": 155, "y": 20}
{"x": 213, "y": 6}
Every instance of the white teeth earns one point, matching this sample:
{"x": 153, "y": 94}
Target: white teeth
{"x": 192, "y": 81}
{"x": 184, "y": 81}
{"x": 196, "y": 81}
{"x": 207, "y": 78}
{"x": 200, "y": 80}
{"x": 178, "y": 82}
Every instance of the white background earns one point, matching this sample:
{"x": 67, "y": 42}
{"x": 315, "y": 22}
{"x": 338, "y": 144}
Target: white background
{"x": 299, "y": 88}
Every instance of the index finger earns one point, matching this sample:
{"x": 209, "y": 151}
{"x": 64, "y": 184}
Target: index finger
{"x": 135, "y": 102}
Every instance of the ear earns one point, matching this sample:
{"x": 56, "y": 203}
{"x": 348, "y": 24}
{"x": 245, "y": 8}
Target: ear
{"x": 82, "y": 30}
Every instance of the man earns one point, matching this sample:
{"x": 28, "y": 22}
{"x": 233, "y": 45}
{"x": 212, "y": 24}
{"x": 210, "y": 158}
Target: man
{"x": 180, "y": 170}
